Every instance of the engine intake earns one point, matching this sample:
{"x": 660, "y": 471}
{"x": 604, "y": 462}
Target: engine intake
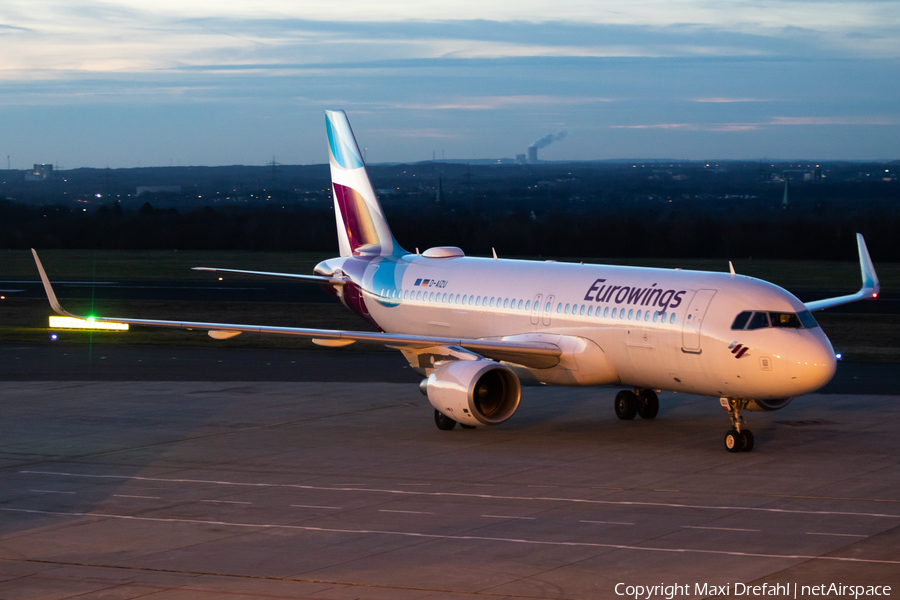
{"x": 474, "y": 392}
{"x": 768, "y": 405}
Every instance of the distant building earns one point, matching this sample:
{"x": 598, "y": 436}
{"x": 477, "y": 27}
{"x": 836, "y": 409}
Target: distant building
{"x": 520, "y": 158}
{"x": 154, "y": 189}
{"x": 40, "y": 173}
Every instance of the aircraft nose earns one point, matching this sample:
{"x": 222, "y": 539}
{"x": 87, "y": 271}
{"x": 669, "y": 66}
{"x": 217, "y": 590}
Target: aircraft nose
{"x": 812, "y": 363}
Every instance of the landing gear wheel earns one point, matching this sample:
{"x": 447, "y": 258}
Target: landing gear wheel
{"x": 464, "y": 426}
{"x": 733, "y": 441}
{"x": 443, "y": 422}
{"x": 746, "y": 440}
{"x": 626, "y": 405}
{"x": 648, "y": 404}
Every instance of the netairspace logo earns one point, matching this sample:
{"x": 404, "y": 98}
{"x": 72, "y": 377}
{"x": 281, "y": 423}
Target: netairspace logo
{"x": 782, "y": 590}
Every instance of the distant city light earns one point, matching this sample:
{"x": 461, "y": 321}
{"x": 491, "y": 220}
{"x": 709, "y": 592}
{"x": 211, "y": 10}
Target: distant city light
{"x": 53, "y": 337}
{"x": 838, "y": 356}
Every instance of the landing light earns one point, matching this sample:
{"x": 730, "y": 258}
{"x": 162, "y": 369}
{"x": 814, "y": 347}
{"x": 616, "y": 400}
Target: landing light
{"x": 838, "y": 356}
{"x": 71, "y": 323}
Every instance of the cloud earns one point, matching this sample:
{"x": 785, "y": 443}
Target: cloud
{"x": 728, "y": 100}
{"x": 695, "y": 126}
{"x": 857, "y": 120}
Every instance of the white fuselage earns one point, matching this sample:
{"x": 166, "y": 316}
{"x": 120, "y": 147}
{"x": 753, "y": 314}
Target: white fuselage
{"x": 648, "y": 328}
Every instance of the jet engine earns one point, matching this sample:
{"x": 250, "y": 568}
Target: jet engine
{"x": 474, "y": 392}
{"x": 768, "y": 405}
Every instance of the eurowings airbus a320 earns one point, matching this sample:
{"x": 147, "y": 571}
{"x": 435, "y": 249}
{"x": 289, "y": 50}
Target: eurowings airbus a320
{"x": 476, "y": 328}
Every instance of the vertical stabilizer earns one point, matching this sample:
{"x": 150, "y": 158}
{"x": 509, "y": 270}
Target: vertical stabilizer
{"x": 361, "y": 226}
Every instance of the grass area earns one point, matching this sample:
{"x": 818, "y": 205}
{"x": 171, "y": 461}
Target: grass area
{"x": 858, "y": 337}
{"x": 26, "y": 320}
{"x": 175, "y": 264}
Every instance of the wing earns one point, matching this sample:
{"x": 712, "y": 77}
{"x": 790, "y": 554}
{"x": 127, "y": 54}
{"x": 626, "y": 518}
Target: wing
{"x": 870, "y": 285}
{"x": 310, "y": 278}
{"x": 529, "y": 354}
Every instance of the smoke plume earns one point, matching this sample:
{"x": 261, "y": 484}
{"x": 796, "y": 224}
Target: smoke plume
{"x": 549, "y": 139}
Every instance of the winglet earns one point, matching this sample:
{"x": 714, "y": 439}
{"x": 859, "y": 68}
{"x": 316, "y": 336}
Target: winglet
{"x": 869, "y": 278}
{"x": 870, "y": 284}
{"x": 51, "y": 296}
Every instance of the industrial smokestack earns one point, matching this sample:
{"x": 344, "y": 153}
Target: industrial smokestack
{"x": 543, "y": 143}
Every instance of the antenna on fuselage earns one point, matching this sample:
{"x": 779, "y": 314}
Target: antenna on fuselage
{"x": 495, "y": 253}
{"x": 731, "y": 268}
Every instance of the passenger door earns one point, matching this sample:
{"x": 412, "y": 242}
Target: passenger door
{"x": 693, "y": 320}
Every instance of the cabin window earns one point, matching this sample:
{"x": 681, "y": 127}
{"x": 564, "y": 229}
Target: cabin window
{"x": 478, "y": 301}
{"x": 613, "y": 313}
{"x": 630, "y": 313}
{"x": 622, "y": 313}
{"x": 520, "y": 305}
{"x": 581, "y": 310}
{"x": 567, "y": 309}
{"x": 741, "y": 320}
{"x": 605, "y": 311}
{"x": 672, "y": 319}
{"x": 655, "y": 316}
{"x": 639, "y": 316}
{"x": 528, "y": 305}
{"x": 559, "y": 307}
{"x": 506, "y": 303}
{"x": 418, "y": 295}
{"x": 590, "y": 310}
{"x": 457, "y": 298}
{"x": 406, "y": 294}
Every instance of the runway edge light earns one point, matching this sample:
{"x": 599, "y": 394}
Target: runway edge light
{"x": 72, "y": 323}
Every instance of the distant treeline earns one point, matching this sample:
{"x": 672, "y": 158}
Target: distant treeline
{"x": 578, "y": 231}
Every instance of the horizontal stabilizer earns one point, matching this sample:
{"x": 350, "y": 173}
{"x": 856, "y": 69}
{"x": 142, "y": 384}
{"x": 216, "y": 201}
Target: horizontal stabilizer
{"x": 309, "y": 278}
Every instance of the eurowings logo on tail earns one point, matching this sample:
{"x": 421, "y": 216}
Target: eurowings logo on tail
{"x": 362, "y": 228}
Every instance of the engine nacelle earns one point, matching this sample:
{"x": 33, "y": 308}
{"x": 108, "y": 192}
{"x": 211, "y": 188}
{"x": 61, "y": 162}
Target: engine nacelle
{"x": 474, "y": 392}
{"x": 768, "y": 405}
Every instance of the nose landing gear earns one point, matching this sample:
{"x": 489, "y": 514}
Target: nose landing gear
{"x": 738, "y": 439}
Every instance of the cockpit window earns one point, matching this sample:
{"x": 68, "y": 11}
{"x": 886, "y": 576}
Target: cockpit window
{"x": 758, "y": 320}
{"x": 788, "y": 320}
{"x": 807, "y": 319}
{"x": 741, "y": 320}
{"x": 762, "y": 319}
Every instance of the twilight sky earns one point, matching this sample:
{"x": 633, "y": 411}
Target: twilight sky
{"x": 127, "y": 83}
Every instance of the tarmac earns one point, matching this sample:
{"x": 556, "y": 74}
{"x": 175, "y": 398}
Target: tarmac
{"x": 130, "y": 487}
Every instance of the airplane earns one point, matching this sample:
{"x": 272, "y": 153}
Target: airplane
{"x": 477, "y": 328}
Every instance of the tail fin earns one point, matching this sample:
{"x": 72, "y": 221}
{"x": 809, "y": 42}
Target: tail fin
{"x": 361, "y": 226}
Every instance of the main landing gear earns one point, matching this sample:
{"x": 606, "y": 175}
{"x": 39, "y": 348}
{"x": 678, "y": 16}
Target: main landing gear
{"x": 738, "y": 439}
{"x": 639, "y": 402}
